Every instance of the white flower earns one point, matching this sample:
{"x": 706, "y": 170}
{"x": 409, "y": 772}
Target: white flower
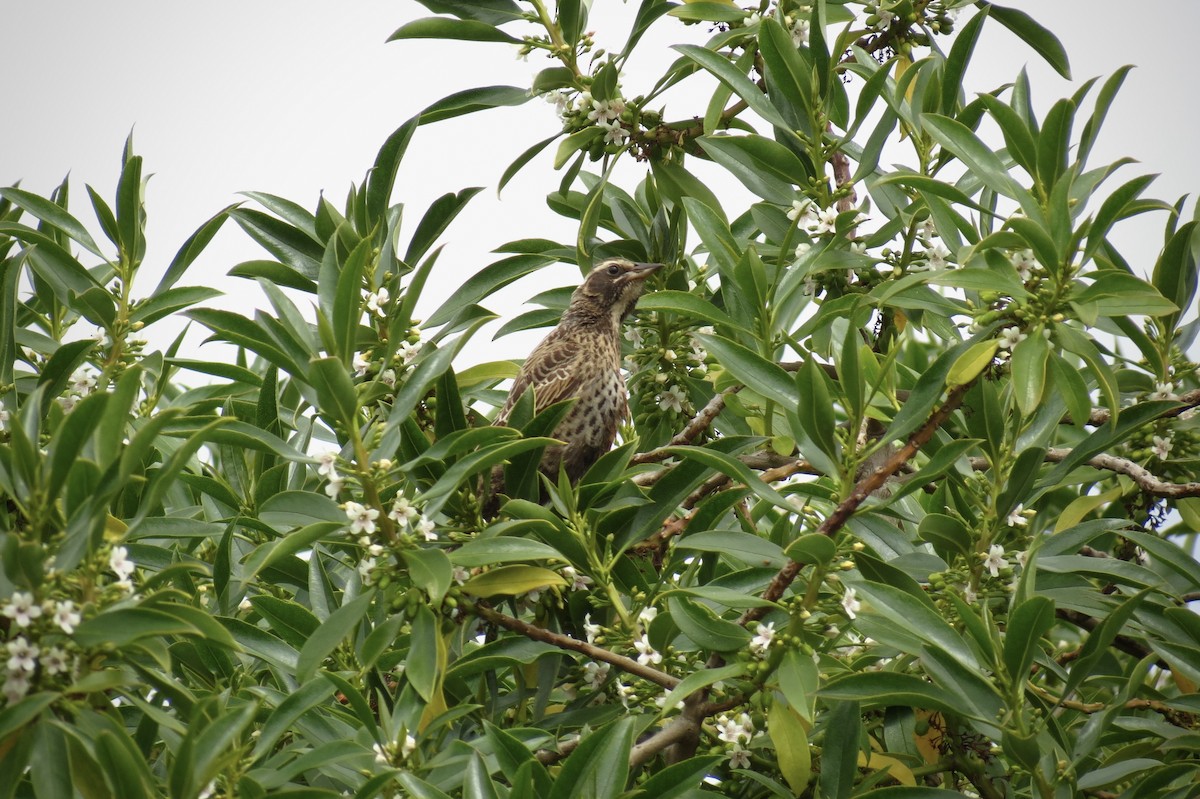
{"x": 1162, "y": 446}
{"x": 16, "y": 685}
{"x": 120, "y": 563}
{"x": 826, "y": 221}
{"x": 935, "y": 256}
{"x": 381, "y": 754}
{"x": 1163, "y": 390}
{"x": 328, "y": 463}
{"x": 408, "y": 351}
{"x": 388, "y": 378}
{"x": 739, "y": 757}
{"x": 803, "y": 213}
{"x": 647, "y": 615}
{"x": 408, "y": 746}
{"x": 83, "y": 380}
{"x": 1010, "y": 337}
{"x": 334, "y": 486}
{"x": 614, "y": 133}
{"x": 672, "y": 399}
{"x": 124, "y": 586}
{"x": 850, "y": 603}
{"x": 799, "y": 31}
{"x": 1024, "y": 262}
{"x": 753, "y": 18}
{"x": 362, "y": 519}
{"x": 460, "y": 575}
{"x": 68, "y": 402}
{"x": 646, "y": 653}
{"x": 995, "y": 561}
{"x": 22, "y": 609}
{"x": 3, "y": 419}
{"x": 55, "y": 661}
{"x": 803, "y": 249}
{"x": 761, "y": 642}
{"x": 362, "y": 364}
{"x": 578, "y": 581}
{"x": 427, "y": 529}
{"x": 376, "y": 300}
{"x": 1022, "y": 557}
{"x": 1017, "y": 517}
{"x": 402, "y": 511}
{"x": 563, "y": 103}
{"x": 733, "y": 730}
{"x": 594, "y": 674}
{"x": 66, "y": 616}
{"x": 928, "y": 231}
{"x": 365, "y": 567}
{"x": 375, "y": 550}
{"x": 590, "y": 630}
{"x": 245, "y": 604}
{"x": 22, "y": 655}
{"x": 969, "y": 594}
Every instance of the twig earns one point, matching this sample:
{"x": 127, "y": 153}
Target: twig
{"x": 1189, "y": 400}
{"x": 583, "y": 647}
{"x": 699, "y": 423}
{"x": 1141, "y": 476}
{"x": 862, "y": 489}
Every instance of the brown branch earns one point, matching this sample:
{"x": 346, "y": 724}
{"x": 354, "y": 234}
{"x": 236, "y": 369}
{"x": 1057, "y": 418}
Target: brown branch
{"x": 698, "y": 424}
{"x": 867, "y": 485}
{"x": 1125, "y": 644}
{"x": 1146, "y": 480}
{"x": 575, "y": 645}
{"x": 1188, "y": 400}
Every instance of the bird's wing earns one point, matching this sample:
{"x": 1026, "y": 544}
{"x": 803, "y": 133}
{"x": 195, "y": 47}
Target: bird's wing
{"x": 551, "y": 370}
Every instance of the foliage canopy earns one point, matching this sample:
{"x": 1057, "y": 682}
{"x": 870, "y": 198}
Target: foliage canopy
{"x": 905, "y": 505}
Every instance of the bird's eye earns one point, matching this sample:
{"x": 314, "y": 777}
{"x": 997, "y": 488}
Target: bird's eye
{"x": 614, "y": 270}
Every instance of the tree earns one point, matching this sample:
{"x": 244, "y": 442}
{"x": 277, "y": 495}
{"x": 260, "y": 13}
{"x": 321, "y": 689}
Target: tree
{"x": 904, "y": 507}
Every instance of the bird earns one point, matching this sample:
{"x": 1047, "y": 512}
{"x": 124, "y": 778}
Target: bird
{"x": 580, "y": 359}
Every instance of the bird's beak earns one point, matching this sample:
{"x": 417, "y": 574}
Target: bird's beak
{"x": 642, "y": 271}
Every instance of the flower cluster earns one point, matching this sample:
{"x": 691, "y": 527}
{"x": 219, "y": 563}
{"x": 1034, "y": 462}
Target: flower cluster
{"x": 41, "y": 644}
{"x": 736, "y": 732}
{"x": 663, "y": 362}
{"x": 83, "y": 382}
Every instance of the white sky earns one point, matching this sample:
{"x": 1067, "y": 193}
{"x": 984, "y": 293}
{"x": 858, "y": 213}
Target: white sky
{"x": 294, "y": 97}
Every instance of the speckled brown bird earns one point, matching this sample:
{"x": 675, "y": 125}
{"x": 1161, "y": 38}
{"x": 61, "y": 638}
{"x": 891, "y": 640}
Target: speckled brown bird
{"x": 581, "y": 359}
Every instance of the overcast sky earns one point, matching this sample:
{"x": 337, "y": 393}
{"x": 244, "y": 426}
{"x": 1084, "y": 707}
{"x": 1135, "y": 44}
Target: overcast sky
{"x": 294, "y": 97}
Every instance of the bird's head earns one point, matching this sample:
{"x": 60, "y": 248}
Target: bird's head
{"x": 612, "y": 288}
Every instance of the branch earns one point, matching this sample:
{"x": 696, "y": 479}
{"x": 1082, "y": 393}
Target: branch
{"x": 1127, "y": 645}
{"x": 1141, "y": 476}
{"x": 866, "y": 486}
{"x": 583, "y": 647}
{"x": 699, "y": 423}
{"x": 1188, "y": 400}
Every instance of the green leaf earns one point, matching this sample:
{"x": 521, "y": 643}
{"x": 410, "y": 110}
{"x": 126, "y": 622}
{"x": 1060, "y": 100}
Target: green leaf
{"x": 53, "y": 214}
{"x": 971, "y": 363}
{"x": 430, "y": 570}
{"x": 119, "y": 627}
{"x": 902, "y": 609}
{"x": 599, "y": 766}
{"x": 734, "y": 468}
{"x": 765, "y": 167}
{"x": 1028, "y": 622}
{"x": 1117, "y": 293}
{"x": 983, "y": 162}
{"x": 751, "y": 369}
{"x": 382, "y": 177}
{"x": 512, "y": 581}
{"x": 443, "y": 28}
{"x": 688, "y": 305}
{"x": 789, "y": 734}
{"x": 732, "y": 77}
{"x": 502, "y": 549}
{"x": 422, "y": 664}
{"x": 1034, "y": 34}
{"x": 706, "y": 629}
{"x": 812, "y": 548}
{"x": 472, "y": 100}
{"x": 956, "y": 62}
{"x": 750, "y": 549}
{"x": 1029, "y": 363}
{"x": 341, "y": 623}
{"x": 335, "y": 390}
{"x": 191, "y": 250}
{"x": 487, "y": 281}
